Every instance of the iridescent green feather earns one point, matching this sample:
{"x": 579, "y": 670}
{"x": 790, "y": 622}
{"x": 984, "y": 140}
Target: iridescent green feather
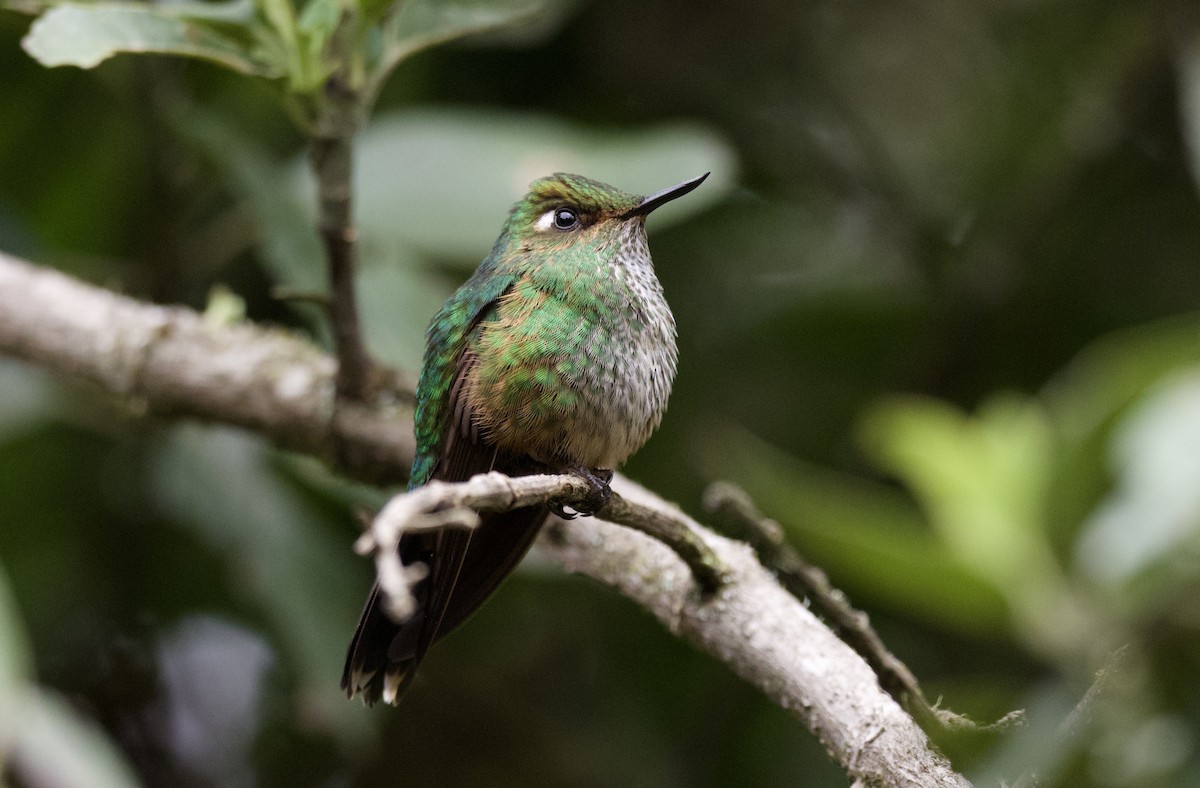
{"x": 446, "y": 340}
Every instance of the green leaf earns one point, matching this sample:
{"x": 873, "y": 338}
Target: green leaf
{"x": 320, "y": 18}
{"x": 1188, "y": 71}
{"x": 1115, "y": 371}
{"x": 282, "y": 17}
{"x": 425, "y": 23}
{"x": 982, "y": 479}
{"x": 58, "y": 746}
{"x": 316, "y": 26}
{"x": 301, "y": 42}
{"x": 1090, "y": 396}
{"x": 420, "y": 24}
{"x": 871, "y": 540}
{"x": 87, "y": 35}
{"x": 16, "y": 657}
{"x": 1153, "y": 516}
{"x": 441, "y": 181}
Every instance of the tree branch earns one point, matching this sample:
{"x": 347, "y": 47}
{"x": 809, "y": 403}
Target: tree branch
{"x": 440, "y": 504}
{"x": 734, "y": 507}
{"x": 173, "y": 361}
{"x": 768, "y": 638}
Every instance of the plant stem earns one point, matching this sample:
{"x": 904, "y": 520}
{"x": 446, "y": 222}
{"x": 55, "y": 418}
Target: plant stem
{"x": 332, "y": 159}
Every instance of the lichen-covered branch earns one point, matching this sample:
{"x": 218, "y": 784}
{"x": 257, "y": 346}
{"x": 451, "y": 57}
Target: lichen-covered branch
{"x": 767, "y": 637}
{"x": 456, "y": 504}
{"x": 173, "y": 362}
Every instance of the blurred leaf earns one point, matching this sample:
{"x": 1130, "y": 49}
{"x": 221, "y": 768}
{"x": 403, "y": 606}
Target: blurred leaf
{"x": 1093, "y": 393}
{"x": 397, "y": 298}
{"x": 316, "y": 26}
{"x": 281, "y": 16}
{"x": 54, "y": 745}
{"x": 16, "y": 657}
{"x": 1155, "y": 510}
{"x": 425, "y": 23}
{"x": 441, "y": 181}
{"x": 320, "y": 18}
{"x": 43, "y": 739}
{"x": 214, "y": 677}
{"x": 87, "y": 35}
{"x": 220, "y": 483}
{"x": 1187, "y": 60}
{"x": 870, "y": 539}
{"x": 981, "y": 478}
{"x": 1113, "y": 372}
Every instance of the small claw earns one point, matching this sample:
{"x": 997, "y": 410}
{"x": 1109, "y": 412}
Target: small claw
{"x": 558, "y": 510}
{"x": 597, "y": 497}
{"x": 599, "y": 492}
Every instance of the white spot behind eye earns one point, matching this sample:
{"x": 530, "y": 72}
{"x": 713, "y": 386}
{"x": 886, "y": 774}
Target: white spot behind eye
{"x": 545, "y": 221}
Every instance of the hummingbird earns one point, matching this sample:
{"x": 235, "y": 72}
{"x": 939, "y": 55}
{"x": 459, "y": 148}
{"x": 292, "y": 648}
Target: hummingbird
{"x": 556, "y": 356}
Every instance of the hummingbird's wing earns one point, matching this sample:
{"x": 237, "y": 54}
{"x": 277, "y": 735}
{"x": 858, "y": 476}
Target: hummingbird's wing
{"x": 465, "y": 565}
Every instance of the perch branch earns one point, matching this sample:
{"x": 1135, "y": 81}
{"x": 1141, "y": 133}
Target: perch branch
{"x": 172, "y": 361}
{"x": 441, "y": 504}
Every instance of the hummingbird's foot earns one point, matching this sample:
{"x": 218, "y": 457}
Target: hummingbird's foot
{"x": 598, "y": 493}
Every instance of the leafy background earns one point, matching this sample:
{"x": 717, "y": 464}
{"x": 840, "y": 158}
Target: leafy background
{"x": 937, "y": 311}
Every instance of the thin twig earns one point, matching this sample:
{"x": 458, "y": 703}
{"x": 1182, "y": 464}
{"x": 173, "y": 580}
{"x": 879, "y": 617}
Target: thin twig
{"x": 743, "y": 519}
{"x": 737, "y": 512}
{"x": 445, "y": 504}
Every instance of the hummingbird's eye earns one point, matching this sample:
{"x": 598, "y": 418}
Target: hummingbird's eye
{"x": 565, "y": 218}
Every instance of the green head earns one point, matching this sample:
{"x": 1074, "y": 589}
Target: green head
{"x": 562, "y": 209}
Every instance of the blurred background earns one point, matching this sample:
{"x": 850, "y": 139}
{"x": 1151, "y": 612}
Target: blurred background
{"x": 938, "y": 313}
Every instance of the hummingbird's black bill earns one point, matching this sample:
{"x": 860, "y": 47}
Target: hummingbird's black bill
{"x": 663, "y": 197}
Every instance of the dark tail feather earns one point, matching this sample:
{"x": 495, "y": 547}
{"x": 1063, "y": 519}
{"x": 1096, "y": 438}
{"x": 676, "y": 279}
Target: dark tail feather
{"x": 466, "y": 567}
{"x": 368, "y": 669}
{"x": 497, "y": 545}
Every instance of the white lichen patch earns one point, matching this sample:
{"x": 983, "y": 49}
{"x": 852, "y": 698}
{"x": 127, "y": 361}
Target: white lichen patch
{"x": 295, "y": 383}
